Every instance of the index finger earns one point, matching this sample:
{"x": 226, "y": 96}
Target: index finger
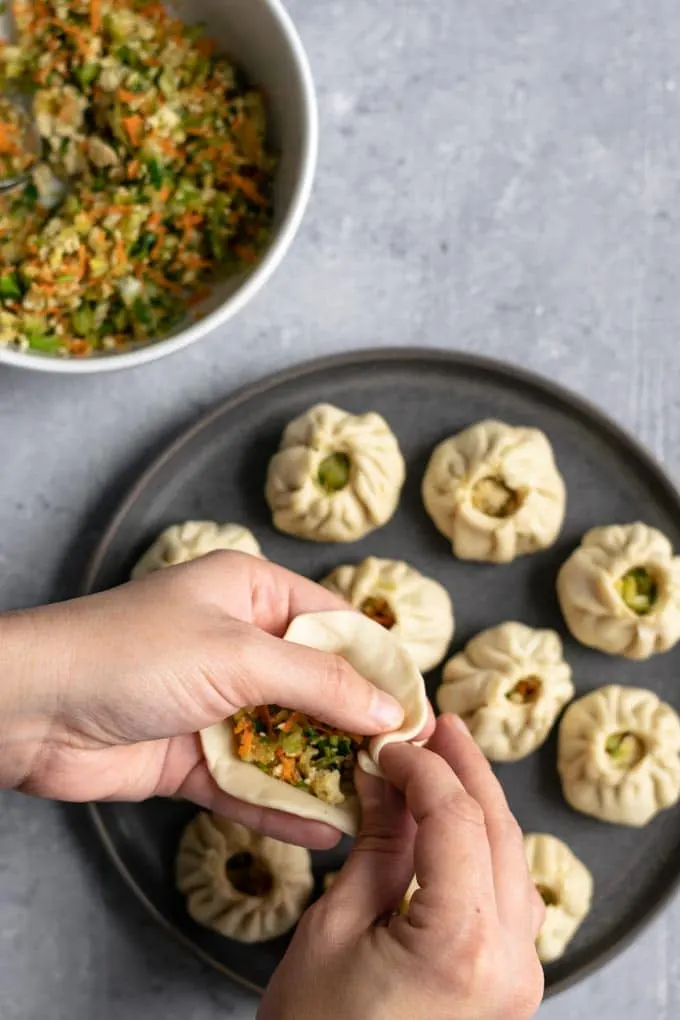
{"x": 278, "y": 595}
{"x": 451, "y": 852}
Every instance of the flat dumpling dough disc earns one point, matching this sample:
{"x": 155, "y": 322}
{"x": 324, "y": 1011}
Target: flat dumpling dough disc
{"x": 508, "y": 684}
{"x": 495, "y": 492}
{"x": 378, "y": 657}
{"x": 190, "y": 540}
{"x": 618, "y": 755}
{"x": 415, "y": 609}
{"x": 337, "y": 476}
{"x": 260, "y": 898}
{"x": 566, "y": 886}
{"x": 620, "y": 591}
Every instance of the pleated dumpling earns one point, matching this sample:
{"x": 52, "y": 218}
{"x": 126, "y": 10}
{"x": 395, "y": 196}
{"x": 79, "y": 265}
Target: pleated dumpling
{"x": 509, "y": 684}
{"x": 619, "y": 755}
{"x": 416, "y": 609}
{"x": 565, "y": 886}
{"x": 495, "y": 492}
{"x": 245, "y": 886}
{"x": 620, "y": 591}
{"x": 337, "y": 476}
{"x": 278, "y": 758}
{"x": 191, "y": 540}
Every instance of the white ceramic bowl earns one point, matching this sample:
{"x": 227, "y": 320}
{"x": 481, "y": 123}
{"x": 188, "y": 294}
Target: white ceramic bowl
{"x": 261, "y": 38}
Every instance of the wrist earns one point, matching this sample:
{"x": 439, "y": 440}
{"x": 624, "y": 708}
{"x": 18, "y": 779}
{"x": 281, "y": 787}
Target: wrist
{"x": 28, "y": 694}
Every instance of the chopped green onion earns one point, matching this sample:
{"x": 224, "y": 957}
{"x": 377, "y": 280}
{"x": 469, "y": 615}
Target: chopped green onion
{"x": 10, "y": 287}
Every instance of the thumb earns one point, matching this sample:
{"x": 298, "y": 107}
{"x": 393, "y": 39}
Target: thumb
{"x": 380, "y": 867}
{"x": 272, "y": 671}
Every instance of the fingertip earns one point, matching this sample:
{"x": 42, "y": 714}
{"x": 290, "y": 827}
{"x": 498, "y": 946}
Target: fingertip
{"x": 385, "y": 711}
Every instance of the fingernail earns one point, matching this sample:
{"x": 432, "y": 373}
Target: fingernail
{"x": 386, "y": 712}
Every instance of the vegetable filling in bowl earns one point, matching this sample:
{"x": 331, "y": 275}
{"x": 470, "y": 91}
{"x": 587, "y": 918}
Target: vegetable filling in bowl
{"x": 156, "y": 177}
{"x": 298, "y": 750}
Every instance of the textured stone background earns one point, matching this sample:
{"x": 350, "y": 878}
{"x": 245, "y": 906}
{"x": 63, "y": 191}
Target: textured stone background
{"x": 496, "y": 175}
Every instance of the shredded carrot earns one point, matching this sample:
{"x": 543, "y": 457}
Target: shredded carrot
{"x": 76, "y": 34}
{"x": 246, "y": 744}
{"x": 95, "y": 15}
{"x": 161, "y": 280}
{"x": 79, "y": 347}
{"x": 199, "y": 295}
{"x": 166, "y": 146}
{"x": 134, "y": 125}
{"x": 159, "y": 242}
{"x": 245, "y": 253}
{"x": 121, "y": 257}
{"x": 128, "y": 97}
{"x": 165, "y": 192}
{"x": 293, "y": 718}
{"x": 249, "y": 189}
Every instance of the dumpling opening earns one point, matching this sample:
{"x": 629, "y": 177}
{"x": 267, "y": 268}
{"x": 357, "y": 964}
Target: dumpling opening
{"x": 639, "y": 590}
{"x": 492, "y": 497}
{"x": 249, "y": 875}
{"x": 547, "y": 894}
{"x": 298, "y": 750}
{"x": 334, "y": 471}
{"x": 378, "y": 608}
{"x": 526, "y": 691}
{"x": 625, "y": 749}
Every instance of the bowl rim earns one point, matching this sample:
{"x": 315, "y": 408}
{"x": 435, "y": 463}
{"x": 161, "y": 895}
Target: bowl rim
{"x": 274, "y": 255}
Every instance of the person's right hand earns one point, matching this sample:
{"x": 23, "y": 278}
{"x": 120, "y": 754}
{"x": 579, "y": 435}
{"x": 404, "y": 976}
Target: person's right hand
{"x": 465, "y": 950}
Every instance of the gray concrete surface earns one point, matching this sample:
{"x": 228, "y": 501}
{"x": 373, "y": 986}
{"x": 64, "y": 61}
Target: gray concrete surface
{"x": 496, "y": 176}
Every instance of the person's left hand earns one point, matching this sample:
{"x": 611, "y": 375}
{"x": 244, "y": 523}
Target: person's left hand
{"x": 102, "y": 697}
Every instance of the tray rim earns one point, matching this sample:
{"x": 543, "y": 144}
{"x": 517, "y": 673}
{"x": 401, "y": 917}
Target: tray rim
{"x": 482, "y": 364}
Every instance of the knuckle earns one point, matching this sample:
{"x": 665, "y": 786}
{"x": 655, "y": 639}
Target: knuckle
{"x": 527, "y": 993}
{"x": 508, "y": 828}
{"x": 463, "y": 808}
{"x": 336, "y": 679}
{"x": 477, "y": 966}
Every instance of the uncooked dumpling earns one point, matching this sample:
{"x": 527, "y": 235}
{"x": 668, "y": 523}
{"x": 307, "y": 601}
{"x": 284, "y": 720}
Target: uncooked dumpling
{"x": 620, "y": 591}
{"x": 619, "y": 755}
{"x": 336, "y": 476}
{"x": 566, "y": 888}
{"x": 313, "y": 787}
{"x": 243, "y": 885}
{"x": 414, "y": 608}
{"x": 509, "y": 685}
{"x": 495, "y": 492}
{"x": 191, "y": 540}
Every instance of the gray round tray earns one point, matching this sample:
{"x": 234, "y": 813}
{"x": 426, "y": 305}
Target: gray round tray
{"x": 216, "y": 471}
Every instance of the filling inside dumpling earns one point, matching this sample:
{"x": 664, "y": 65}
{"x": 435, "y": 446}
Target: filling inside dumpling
{"x": 249, "y": 875}
{"x": 334, "y": 471}
{"x": 548, "y": 895}
{"x": 492, "y": 497}
{"x": 526, "y": 691}
{"x": 639, "y": 590}
{"x": 298, "y": 750}
{"x": 625, "y": 749}
{"x": 378, "y": 608}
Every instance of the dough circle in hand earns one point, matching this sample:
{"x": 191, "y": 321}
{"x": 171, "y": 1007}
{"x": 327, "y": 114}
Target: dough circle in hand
{"x": 566, "y": 887}
{"x": 495, "y": 492}
{"x": 337, "y": 476}
{"x": 415, "y": 609}
{"x": 181, "y": 543}
{"x": 618, "y": 755}
{"x": 375, "y": 655}
{"x": 620, "y": 591}
{"x": 243, "y": 885}
{"x": 509, "y": 684}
